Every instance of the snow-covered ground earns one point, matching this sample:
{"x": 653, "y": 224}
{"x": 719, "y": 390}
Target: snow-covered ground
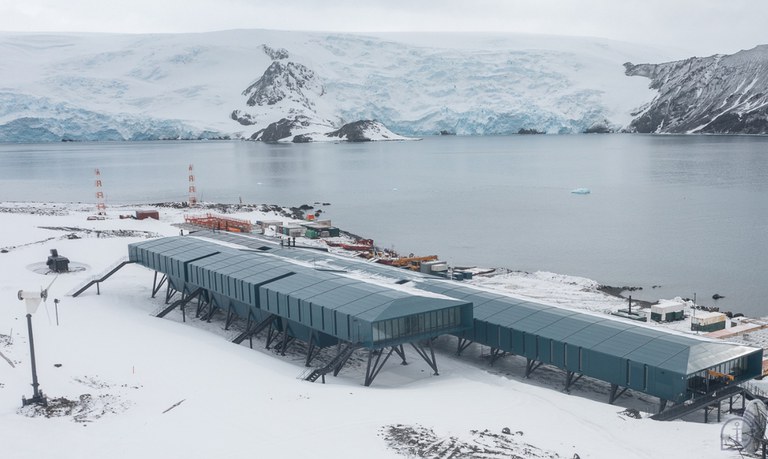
{"x": 139, "y": 386}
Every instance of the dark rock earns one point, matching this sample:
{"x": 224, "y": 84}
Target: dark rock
{"x": 598, "y": 128}
{"x": 446, "y": 132}
{"x": 354, "y": 132}
{"x": 717, "y": 296}
{"x": 280, "y": 129}
{"x": 302, "y": 138}
{"x": 506, "y": 431}
{"x": 282, "y": 80}
{"x": 242, "y": 118}
{"x": 275, "y": 54}
{"x": 359, "y": 131}
{"x": 525, "y": 131}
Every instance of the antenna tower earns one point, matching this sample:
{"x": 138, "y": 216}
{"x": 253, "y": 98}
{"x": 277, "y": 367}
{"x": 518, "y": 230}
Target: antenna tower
{"x": 101, "y": 208}
{"x": 192, "y": 190}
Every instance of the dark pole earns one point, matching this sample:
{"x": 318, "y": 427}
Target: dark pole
{"x": 36, "y": 397}
{"x": 56, "y": 306}
{"x": 630, "y": 305}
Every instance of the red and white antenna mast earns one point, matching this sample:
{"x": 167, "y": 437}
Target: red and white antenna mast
{"x": 192, "y": 190}
{"x": 101, "y": 208}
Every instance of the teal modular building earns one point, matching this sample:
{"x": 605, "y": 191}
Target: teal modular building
{"x": 280, "y": 289}
{"x": 296, "y": 301}
{"x": 672, "y": 367}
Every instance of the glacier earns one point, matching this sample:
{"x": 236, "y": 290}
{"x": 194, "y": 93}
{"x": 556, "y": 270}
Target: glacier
{"x": 235, "y": 83}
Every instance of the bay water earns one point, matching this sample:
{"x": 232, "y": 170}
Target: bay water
{"x": 675, "y": 215}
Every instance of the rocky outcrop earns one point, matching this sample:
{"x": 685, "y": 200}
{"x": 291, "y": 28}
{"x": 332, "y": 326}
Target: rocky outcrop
{"x": 281, "y": 129}
{"x": 302, "y": 129}
{"x": 275, "y": 54}
{"x": 720, "y": 94}
{"x": 364, "y": 131}
{"x": 283, "y": 80}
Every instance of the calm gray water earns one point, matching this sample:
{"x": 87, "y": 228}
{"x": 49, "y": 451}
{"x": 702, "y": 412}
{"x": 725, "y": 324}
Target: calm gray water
{"x": 688, "y": 213}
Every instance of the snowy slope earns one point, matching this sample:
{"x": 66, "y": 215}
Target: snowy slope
{"x": 720, "y": 94}
{"x": 149, "y": 387}
{"x": 238, "y": 82}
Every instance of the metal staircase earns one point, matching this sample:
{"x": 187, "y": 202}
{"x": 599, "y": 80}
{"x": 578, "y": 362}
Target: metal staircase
{"x": 96, "y": 280}
{"x": 691, "y": 406}
{"x": 179, "y": 303}
{"x": 254, "y": 328}
{"x": 335, "y": 364}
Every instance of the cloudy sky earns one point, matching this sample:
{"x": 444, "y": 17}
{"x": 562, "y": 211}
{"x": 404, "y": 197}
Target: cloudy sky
{"x": 704, "y": 26}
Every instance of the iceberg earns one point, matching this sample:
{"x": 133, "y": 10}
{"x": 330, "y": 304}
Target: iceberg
{"x": 581, "y": 191}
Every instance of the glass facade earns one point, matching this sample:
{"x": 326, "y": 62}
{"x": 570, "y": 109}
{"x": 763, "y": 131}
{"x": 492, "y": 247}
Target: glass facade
{"x": 720, "y": 375}
{"x": 417, "y": 324}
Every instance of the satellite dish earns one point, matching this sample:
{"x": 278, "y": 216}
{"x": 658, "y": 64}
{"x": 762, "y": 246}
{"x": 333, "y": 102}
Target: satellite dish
{"x": 755, "y": 415}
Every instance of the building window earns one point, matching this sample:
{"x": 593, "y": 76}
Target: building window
{"x": 427, "y": 322}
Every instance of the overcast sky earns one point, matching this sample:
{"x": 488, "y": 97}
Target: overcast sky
{"x": 704, "y": 27}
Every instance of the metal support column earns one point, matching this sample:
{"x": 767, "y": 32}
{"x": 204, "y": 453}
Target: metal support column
{"x": 169, "y": 292}
{"x": 401, "y": 352}
{"x": 530, "y": 366}
{"x": 37, "y": 394}
{"x": 462, "y": 345}
{"x": 429, "y": 358}
{"x": 231, "y": 316}
{"x": 570, "y": 379}
{"x": 615, "y": 393}
{"x": 662, "y": 404}
{"x": 155, "y": 286}
{"x": 496, "y": 354}
{"x": 272, "y": 333}
{"x": 372, "y": 371}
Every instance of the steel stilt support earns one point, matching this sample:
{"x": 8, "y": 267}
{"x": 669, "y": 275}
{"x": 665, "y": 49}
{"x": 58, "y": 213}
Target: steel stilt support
{"x": 310, "y": 353}
{"x": 155, "y": 286}
{"x": 662, "y": 404}
{"x": 372, "y": 371}
{"x": 247, "y": 327}
{"x": 530, "y": 366}
{"x": 570, "y": 379}
{"x": 615, "y": 393}
{"x": 169, "y": 292}
{"x": 231, "y": 316}
{"x": 462, "y": 345}
{"x": 286, "y": 340}
{"x": 272, "y": 333}
{"x": 401, "y": 352}
{"x": 496, "y": 354}
{"x": 429, "y": 358}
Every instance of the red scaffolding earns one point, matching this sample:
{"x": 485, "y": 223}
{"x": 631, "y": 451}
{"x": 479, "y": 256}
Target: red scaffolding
{"x": 216, "y": 222}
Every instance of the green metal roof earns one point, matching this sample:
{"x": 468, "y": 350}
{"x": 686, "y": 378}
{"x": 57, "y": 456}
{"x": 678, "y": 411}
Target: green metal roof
{"x": 660, "y": 348}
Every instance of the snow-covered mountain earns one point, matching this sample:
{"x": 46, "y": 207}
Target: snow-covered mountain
{"x": 717, "y": 94}
{"x": 237, "y": 83}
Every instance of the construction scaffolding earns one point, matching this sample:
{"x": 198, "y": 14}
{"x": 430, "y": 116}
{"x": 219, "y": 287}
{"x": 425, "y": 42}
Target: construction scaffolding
{"x": 220, "y": 223}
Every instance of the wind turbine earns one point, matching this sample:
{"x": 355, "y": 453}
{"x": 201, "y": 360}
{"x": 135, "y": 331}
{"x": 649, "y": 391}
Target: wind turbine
{"x": 33, "y": 300}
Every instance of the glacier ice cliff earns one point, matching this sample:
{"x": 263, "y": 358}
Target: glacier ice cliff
{"x": 237, "y": 83}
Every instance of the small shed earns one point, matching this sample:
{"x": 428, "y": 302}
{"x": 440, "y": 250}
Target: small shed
{"x": 292, "y": 230}
{"x": 144, "y": 214}
{"x": 707, "y": 321}
{"x": 668, "y": 311}
{"x": 317, "y": 230}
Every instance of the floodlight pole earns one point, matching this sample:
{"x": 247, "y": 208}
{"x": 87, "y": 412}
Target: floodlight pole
{"x": 37, "y": 396}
